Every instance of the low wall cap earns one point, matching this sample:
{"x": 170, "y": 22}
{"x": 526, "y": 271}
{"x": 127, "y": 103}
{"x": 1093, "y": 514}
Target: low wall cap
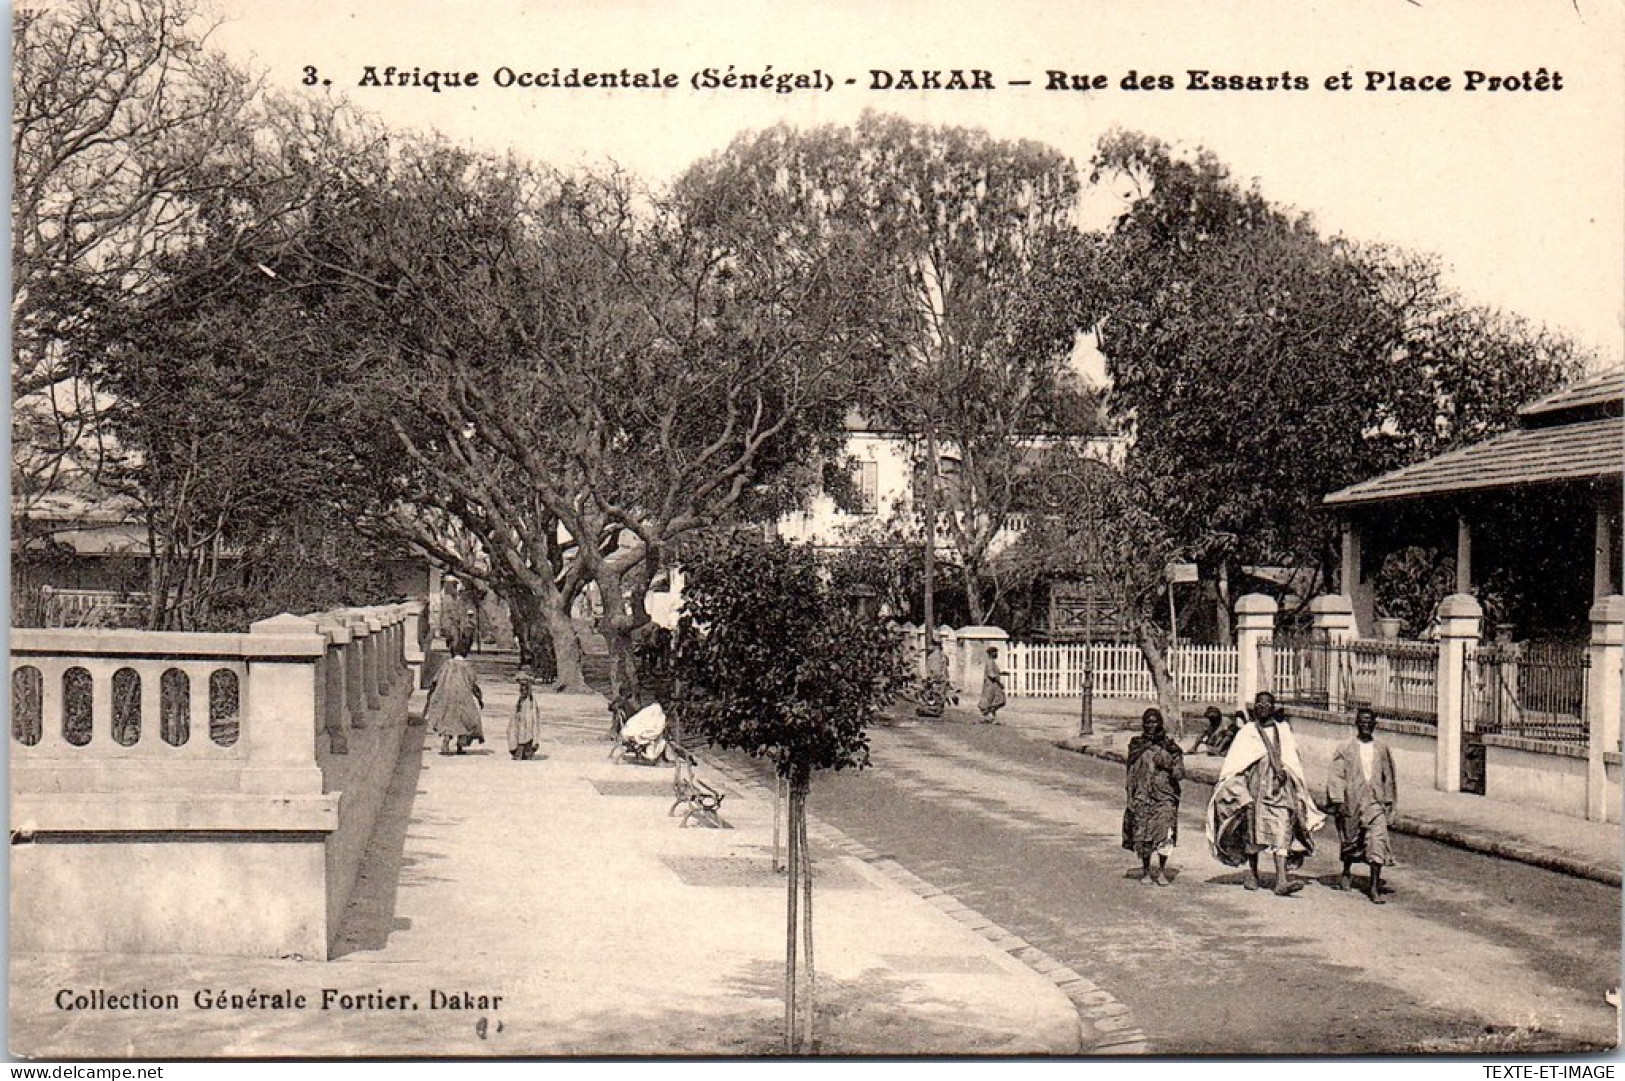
{"x": 1256, "y": 604}
{"x": 1332, "y": 604}
{"x": 1460, "y": 606}
{"x": 1609, "y": 609}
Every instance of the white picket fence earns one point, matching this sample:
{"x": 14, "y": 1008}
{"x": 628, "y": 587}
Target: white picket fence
{"x": 1055, "y": 670}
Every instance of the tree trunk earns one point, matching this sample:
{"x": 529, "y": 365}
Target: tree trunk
{"x": 1223, "y": 613}
{"x": 973, "y": 592}
{"x": 1154, "y": 648}
{"x": 619, "y": 626}
{"x": 792, "y": 880}
{"x": 566, "y": 649}
{"x": 930, "y": 515}
{"x": 807, "y": 1037}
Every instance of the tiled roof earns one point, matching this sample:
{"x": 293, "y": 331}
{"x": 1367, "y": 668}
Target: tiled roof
{"x": 1597, "y": 390}
{"x": 1590, "y": 450}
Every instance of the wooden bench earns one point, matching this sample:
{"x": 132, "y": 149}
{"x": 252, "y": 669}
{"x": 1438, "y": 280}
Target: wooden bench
{"x": 703, "y": 803}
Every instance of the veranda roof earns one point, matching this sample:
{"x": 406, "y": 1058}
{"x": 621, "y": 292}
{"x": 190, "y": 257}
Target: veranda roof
{"x": 1585, "y": 451}
{"x": 1598, "y": 390}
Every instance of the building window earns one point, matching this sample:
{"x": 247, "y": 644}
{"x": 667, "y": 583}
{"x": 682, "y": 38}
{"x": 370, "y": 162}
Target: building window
{"x": 868, "y": 487}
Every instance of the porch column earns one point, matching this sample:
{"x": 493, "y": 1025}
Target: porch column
{"x": 1255, "y": 655}
{"x": 1459, "y": 620}
{"x": 1464, "y": 555}
{"x": 1351, "y": 577}
{"x": 1605, "y": 686}
{"x": 1602, "y": 558}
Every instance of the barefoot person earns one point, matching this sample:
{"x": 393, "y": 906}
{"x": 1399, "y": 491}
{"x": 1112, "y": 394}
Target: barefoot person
{"x": 1151, "y": 824}
{"x": 992, "y": 688}
{"x": 1261, "y": 802}
{"x": 526, "y": 725}
{"x": 454, "y": 704}
{"x": 1361, "y": 789}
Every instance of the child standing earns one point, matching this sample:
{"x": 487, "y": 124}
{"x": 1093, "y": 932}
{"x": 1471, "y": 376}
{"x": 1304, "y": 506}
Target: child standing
{"x": 526, "y": 725}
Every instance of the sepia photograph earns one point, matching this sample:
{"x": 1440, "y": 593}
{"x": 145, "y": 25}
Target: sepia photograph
{"x": 709, "y": 530}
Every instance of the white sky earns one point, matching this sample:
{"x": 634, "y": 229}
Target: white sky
{"x": 1522, "y": 194}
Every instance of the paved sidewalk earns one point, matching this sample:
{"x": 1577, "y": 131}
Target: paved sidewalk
{"x": 1545, "y": 839}
{"x": 553, "y": 908}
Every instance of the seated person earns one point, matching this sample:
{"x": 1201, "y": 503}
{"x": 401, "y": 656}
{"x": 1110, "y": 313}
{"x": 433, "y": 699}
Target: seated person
{"x": 1219, "y": 736}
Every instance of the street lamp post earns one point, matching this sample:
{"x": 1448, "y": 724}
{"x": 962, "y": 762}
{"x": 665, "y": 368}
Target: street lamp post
{"x": 1086, "y": 722}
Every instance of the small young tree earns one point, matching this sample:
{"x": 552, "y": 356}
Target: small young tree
{"x": 774, "y": 662}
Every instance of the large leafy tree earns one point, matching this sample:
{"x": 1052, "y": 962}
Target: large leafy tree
{"x": 125, "y": 128}
{"x": 1259, "y": 365}
{"x": 579, "y": 371}
{"x": 774, "y": 662}
{"x": 965, "y": 233}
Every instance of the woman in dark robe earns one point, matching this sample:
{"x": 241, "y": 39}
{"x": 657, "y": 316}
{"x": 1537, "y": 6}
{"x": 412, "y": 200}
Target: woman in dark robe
{"x": 454, "y": 706}
{"x": 1151, "y": 824}
{"x": 992, "y": 699}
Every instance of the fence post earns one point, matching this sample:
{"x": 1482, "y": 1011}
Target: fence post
{"x": 973, "y": 644}
{"x": 1605, "y": 681}
{"x": 1255, "y": 629}
{"x": 279, "y": 717}
{"x": 1332, "y": 616}
{"x": 1459, "y": 619}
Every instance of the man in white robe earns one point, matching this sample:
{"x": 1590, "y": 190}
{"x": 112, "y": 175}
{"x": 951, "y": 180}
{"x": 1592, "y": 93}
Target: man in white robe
{"x": 1261, "y": 802}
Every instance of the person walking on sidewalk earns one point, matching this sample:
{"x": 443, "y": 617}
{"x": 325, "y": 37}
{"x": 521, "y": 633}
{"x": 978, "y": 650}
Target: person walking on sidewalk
{"x": 526, "y": 725}
{"x": 1261, "y": 802}
{"x": 1151, "y": 823}
{"x": 455, "y": 702}
{"x": 1361, "y": 789}
{"x": 992, "y": 688}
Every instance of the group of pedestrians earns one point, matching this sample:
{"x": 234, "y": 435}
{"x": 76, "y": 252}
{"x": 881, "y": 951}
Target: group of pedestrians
{"x": 1261, "y": 804}
{"x": 455, "y": 701}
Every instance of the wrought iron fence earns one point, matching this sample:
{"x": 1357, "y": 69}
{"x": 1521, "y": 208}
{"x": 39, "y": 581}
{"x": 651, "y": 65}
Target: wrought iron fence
{"x": 1531, "y": 689}
{"x": 1397, "y": 679}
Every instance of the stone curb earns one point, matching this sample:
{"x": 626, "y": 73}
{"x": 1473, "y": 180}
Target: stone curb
{"x": 1449, "y": 833}
{"x": 1106, "y": 1026}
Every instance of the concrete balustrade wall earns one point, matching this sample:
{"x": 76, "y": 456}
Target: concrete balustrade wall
{"x": 200, "y": 793}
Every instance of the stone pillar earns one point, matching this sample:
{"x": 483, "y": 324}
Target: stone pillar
{"x": 973, "y": 646}
{"x": 389, "y": 650}
{"x": 1255, "y": 653}
{"x": 436, "y": 613}
{"x": 1605, "y": 696}
{"x": 279, "y": 716}
{"x": 412, "y": 628}
{"x": 1459, "y": 620}
{"x": 336, "y": 706}
{"x": 355, "y": 678}
{"x": 361, "y": 621}
{"x": 1332, "y": 616}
